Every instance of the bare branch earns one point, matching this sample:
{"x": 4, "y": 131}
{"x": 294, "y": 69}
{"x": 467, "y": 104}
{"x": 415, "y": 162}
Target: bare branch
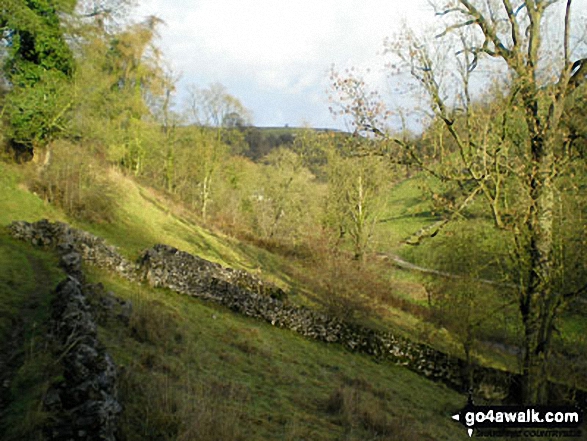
{"x": 98, "y": 11}
{"x": 578, "y": 73}
{"x": 456, "y": 26}
{"x": 519, "y": 9}
{"x": 568, "y": 72}
{"x": 434, "y": 229}
{"x": 515, "y": 28}
{"x": 567, "y": 35}
{"x": 487, "y": 29}
{"x": 450, "y": 11}
{"x": 543, "y": 5}
{"x": 533, "y": 33}
{"x": 576, "y": 292}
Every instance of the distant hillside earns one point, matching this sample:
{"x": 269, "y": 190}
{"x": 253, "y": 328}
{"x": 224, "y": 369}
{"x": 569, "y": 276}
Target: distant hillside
{"x": 288, "y": 129}
{"x": 259, "y": 141}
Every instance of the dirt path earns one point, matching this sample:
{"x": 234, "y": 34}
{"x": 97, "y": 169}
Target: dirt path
{"x": 403, "y": 264}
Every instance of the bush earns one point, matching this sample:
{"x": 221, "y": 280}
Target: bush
{"x": 76, "y": 181}
{"x": 361, "y": 410}
{"x": 345, "y": 287}
{"x": 348, "y": 289}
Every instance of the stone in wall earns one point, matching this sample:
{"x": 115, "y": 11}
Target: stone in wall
{"x": 61, "y": 236}
{"x": 165, "y": 266}
{"x": 197, "y": 273}
{"x": 85, "y": 402}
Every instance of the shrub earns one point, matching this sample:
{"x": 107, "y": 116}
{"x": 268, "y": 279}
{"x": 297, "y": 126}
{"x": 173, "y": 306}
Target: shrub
{"x": 76, "y": 181}
{"x": 362, "y": 411}
{"x": 348, "y": 290}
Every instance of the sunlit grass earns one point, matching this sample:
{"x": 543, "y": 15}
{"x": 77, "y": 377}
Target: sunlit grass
{"x": 17, "y": 203}
{"x": 281, "y": 382}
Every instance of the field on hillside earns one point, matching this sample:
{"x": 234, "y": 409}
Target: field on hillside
{"x": 225, "y": 377}
{"x": 144, "y": 216}
{"x": 189, "y": 367}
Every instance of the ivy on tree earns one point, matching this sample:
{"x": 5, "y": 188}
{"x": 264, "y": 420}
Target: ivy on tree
{"x": 38, "y": 66}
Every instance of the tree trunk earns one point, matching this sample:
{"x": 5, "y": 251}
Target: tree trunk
{"x": 205, "y": 194}
{"x": 539, "y": 301}
{"x": 535, "y": 379}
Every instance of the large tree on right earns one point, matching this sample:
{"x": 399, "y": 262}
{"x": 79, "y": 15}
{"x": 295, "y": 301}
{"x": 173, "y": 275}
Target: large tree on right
{"x": 509, "y": 145}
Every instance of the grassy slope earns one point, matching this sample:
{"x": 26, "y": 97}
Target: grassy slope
{"x": 27, "y": 277}
{"x": 273, "y": 383}
{"x": 191, "y": 367}
{"x": 285, "y": 387}
{"x": 409, "y": 210}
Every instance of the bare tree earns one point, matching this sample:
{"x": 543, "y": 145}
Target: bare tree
{"x": 214, "y": 106}
{"x": 511, "y": 151}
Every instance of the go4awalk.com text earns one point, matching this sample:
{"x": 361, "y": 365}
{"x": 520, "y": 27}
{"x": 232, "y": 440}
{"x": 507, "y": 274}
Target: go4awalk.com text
{"x": 527, "y": 421}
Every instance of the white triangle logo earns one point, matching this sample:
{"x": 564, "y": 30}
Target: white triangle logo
{"x": 456, "y": 417}
{"x": 470, "y": 432}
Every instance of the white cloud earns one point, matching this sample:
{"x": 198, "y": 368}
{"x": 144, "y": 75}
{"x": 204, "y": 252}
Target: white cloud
{"x": 275, "y": 55}
{"x": 281, "y": 51}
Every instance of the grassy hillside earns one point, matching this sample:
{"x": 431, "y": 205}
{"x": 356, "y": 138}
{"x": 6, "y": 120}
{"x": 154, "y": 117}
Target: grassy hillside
{"x": 220, "y": 376}
{"x": 191, "y": 370}
{"x": 142, "y": 218}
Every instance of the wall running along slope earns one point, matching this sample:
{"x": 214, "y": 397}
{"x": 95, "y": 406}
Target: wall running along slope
{"x": 165, "y": 266}
{"x": 85, "y": 403}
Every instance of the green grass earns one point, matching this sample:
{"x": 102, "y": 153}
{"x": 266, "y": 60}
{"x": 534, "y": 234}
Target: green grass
{"x": 17, "y": 203}
{"x": 178, "y": 353}
{"x": 407, "y": 210}
{"x": 273, "y": 383}
{"x": 27, "y": 278}
{"x": 141, "y": 222}
{"x": 142, "y": 219}
{"x": 25, "y": 272}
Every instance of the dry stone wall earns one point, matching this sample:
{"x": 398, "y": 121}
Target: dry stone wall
{"x": 183, "y": 271}
{"x": 165, "y": 266}
{"x": 84, "y": 404}
{"x": 61, "y": 236}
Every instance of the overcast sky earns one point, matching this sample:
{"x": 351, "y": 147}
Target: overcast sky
{"x": 274, "y": 55}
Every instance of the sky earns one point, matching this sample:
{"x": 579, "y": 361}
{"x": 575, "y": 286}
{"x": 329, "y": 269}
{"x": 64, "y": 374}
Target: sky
{"x": 276, "y": 56}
